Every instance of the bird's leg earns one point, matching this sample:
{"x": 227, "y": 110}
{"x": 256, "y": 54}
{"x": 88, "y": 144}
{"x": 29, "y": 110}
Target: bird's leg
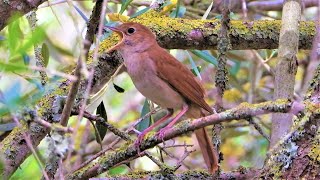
{"x": 162, "y": 131}
{"x": 150, "y": 128}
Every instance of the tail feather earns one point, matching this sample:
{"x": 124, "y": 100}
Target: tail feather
{"x": 210, "y": 155}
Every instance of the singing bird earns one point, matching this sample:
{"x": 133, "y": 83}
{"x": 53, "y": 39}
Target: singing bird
{"x": 165, "y": 81}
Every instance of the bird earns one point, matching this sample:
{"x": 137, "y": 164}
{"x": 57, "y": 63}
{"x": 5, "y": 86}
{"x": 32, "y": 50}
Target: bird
{"x": 164, "y": 80}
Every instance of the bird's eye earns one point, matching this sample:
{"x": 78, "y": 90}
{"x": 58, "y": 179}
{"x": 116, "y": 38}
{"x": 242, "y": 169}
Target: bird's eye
{"x": 131, "y": 30}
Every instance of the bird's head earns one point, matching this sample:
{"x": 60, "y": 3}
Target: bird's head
{"x": 135, "y": 37}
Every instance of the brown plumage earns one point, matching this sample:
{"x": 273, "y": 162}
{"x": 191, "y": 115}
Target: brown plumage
{"x": 165, "y": 81}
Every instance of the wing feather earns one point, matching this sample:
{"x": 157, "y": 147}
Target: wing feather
{"x": 180, "y": 78}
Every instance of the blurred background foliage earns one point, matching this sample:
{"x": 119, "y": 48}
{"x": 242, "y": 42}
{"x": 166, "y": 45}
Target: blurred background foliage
{"x": 60, "y": 29}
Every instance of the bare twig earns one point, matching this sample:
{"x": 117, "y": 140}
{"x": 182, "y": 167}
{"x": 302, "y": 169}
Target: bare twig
{"x": 183, "y": 157}
{"x": 258, "y": 128}
{"x": 177, "y": 145}
{"x": 241, "y": 112}
{"x": 161, "y": 165}
{"x": 110, "y": 127}
{"x": 314, "y": 56}
{"x": 54, "y": 127}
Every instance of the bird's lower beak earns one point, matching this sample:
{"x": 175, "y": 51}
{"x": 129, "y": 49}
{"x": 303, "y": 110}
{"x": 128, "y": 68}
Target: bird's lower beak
{"x": 120, "y": 33}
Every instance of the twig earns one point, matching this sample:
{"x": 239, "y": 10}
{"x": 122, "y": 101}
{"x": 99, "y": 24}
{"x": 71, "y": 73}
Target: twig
{"x": 263, "y": 62}
{"x": 184, "y": 156}
{"x": 145, "y": 116}
{"x": 123, "y": 135}
{"x": 243, "y": 111}
{"x": 53, "y": 72}
{"x": 177, "y": 145}
{"x": 161, "y": 165}
{"x": 236, "y": 125}
{"x": 314, "y": 56}
{"x": 244, "y": 9}
{"x": 110, "y": 146}
{"x": 54, "y": 127}
{"x": 172, "y": 156}
{"x": 32, "y": 149}
{"x": 258, "y": 128}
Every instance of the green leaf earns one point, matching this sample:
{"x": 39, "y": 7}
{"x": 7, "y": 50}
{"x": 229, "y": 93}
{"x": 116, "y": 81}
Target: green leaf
{"x": 178, "y": 12}
{"x": 26, "y": 58}
{"x": 124, "y": 5}
{"x": 142, "y": 11}
{"x": 29, "y": 169}
{"x": 59, "y": 48}
{"x": 96, "y": 133}
{"x": 199, "y": 68}
{"x": 45, "y": 54}
{"x": 13, "y": 67}
{"x": 205, "y": 56}
{"x": 102, "y": 130}
{"x": 205, "y": 15}
{"x": 235, "y": 68}
{"x": 119, "y": 170}
{"x": 193, "y": 64}
{"x": 144, "y": 124}
{"x": 118, "y": 88}
{"x": 36, "y": 37}
{"x": 15, "y": 35}
{"x": 177, "y": 9}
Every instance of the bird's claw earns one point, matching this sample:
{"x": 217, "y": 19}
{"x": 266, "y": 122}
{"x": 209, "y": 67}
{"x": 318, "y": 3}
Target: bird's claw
{"x": 138, "y": 142}
{"x": 162, "y": 133}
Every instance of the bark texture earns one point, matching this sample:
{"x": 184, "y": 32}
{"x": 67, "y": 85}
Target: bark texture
{"x": 287, "y": 67}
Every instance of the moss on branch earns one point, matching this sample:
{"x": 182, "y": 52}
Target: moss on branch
{"x": 178, "y": 33}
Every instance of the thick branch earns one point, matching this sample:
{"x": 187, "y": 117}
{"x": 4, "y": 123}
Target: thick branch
{"x": 276, "y": 5}
{"x": 8, "y": 8}
{"x": 192, "y": 174}
{"x": 176, "y": 33}
{"x": 244, "y": 110}
{"x": 287, "y": 67}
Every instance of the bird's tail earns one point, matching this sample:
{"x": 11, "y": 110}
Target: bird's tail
{"x": 209, "y": 154}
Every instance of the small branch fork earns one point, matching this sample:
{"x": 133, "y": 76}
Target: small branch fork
{"x": 243, "y": 111}
{"x": 125, "y": 136}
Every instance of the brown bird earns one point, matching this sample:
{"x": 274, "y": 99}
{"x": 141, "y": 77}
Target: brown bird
{"x": 165, "y": 81}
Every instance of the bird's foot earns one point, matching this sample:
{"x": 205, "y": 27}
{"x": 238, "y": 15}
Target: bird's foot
{"x": 162, "y": 132}
{"x": 138, "y": 142}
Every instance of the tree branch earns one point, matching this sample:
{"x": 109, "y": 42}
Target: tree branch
{"x": 8, "y": 8}
{"x": 202, "y": 34}
{"x": 243, "y": 111}
{"x": 287, "y": 66}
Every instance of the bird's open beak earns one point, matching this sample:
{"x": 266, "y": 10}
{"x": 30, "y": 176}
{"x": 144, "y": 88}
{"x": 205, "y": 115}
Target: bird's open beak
{"x": 120, "y": 33}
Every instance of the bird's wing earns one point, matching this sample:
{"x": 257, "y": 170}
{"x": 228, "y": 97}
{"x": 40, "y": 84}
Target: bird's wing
{"x": 180, "y": 78}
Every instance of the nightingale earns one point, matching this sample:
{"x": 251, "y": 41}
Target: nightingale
{"x": 165, "y": 81}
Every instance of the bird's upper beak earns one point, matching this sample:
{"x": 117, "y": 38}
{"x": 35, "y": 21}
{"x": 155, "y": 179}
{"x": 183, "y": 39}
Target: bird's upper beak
{"x": 120, "y": 33}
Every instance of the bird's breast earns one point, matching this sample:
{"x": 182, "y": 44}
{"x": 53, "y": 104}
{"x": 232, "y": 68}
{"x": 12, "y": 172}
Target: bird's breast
{"x": 143, "y": 73}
